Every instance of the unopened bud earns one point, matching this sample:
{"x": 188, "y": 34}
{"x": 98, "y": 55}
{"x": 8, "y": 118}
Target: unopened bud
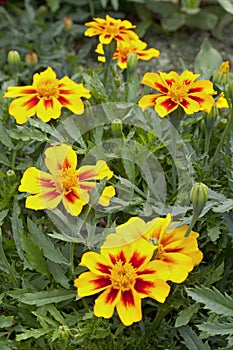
{"x": 199, "y": 195}
{"x": 117, "y": 127}
{"x": 64, "y": 331}
{"x": 68, "y": 23}
{"x": 221, "y": 77}
{"x": 132, "y": 61}
{"x": 230, "y": 92}
{"x": 31, "y": 59}
{"x": 210, "y": 118}
{"x": 13, "y": 58}
{"x": 109, "y": 50}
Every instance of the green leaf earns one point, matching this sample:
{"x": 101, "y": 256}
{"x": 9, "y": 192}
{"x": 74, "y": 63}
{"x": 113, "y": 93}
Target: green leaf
{"x": 4, "y": 137}
{"x": 53, "y": 4}
{"x": 47, "y": 297}
{"x": 208, "y": 60}
{"x": 58, "y": 274}
{"x": 227, "y": 5}
{"x": 185, "y": 315}
{"x": 3, "y": 214}
{"x": 213, "y": 300}
{"x": 224, "y": 207}
{"x": 216, "y": 328}
{"x": 32, "y": 333}
{"x": 44, "y": 243}
{"x": 191, "y": 340}
{"x": 6, "y": 321}
{"x": 173, "y": 22}
{"x": 214, "y": 233}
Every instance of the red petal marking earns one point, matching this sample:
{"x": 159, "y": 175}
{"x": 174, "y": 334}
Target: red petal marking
{"x": 86, "y": 187}
{"x": 185, "y": 103}
{"x": 196, "y": 89}
{"x": 71, "y": 197}
{"x": 168, "y": 104}
{"x": 173, "y": 250}
{"x": 124, "y": 59}
{"x": 112, "y": 295}
{"x": 169, "y": 81}
{"x": 137, "y": 260}
{"x": 122, "y": 28}
{"x": 50, "y": 195}
{"x": 141, "y": 286}
{"x": 115, "y": 258}
{"x": 146, "y": 272}
{"x": 46, "y": 183}
{"x": 107, "y": 36}
{"x": 101, "y": 282}
{"x": 65, "y": 92}
{"x": 127, "y": 298}
{"x": 29, "y": 91}
{"x": 66, "y": 164}
{"x": 118, "y": 37}
{"x": 187, "y": 82}
{"x": 86, "y": 175}
{"x": 29, "y": 104}
{"x": 160, "y": 87}
{"x": 197, "y": 99}
{"x": 63, "y": 101}
{"x": 103, "y": 268}
{"x": 141, "y": 54}
{"x": 48, "y": 103}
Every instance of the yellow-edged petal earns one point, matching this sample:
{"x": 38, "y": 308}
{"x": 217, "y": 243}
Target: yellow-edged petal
{"x": 107, "y": 194}
{"x": 89, "y": 283}
{"x": 59, "y": 157}
{"x": 48, "y": 109}
{"x": 96, "y": 263}
{"x": 129, "y": 307}
{"x": 106, "y": 302}
{"x": 23, "y": 108}
{"x": 74, "y": 201}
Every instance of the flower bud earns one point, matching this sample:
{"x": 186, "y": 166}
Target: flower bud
{"x": 117, "y": 127}
{"x": 31, "y": 59}
{"x": 68, "y": 23}
{"x": 13, "y": 58}
{"x": 198, "y": 195}
{"x": 222, "y": 75}
{"x": 64, "y": 331}
{"x": 109, "y": 50}
{"x": 230, "y": 92}
{"x": 132, "y": 61}
{"x": 210, "y": 118}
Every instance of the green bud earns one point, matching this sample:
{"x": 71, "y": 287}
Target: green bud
{"x": 132, "y": 61}
{"x": 230, "y": 92}
{"x": 117, "y": 127}
{"x": 210, "y": 118}
{"x": 109, "y": 50}
{"x": 13, "y": 58}
{"x": 64, "y": 331}
{"x": 199, "y": 195}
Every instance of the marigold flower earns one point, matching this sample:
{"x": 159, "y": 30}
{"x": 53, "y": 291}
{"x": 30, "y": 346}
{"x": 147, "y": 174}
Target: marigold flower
{"x": 222, "y": 102}
{"x": 64, "y": 183}
{"x": 111, "y": 28}
{"x": 45, "y": 97}
{"x": 177, "y": 90}
{"x": 125, "y": 48}
{"x": 178, "y": 252}
{"x": 124, "y": 275}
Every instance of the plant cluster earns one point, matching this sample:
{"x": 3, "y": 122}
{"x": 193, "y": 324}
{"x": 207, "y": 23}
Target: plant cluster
{"x": 116, "y": 206}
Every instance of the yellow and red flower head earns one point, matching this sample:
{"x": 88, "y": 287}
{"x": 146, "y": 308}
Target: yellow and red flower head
{"x": 179, "y": 253}
{"x": 45, "y": 97}
{"x": 64, "y": 182}
{"x": 124, "y": 275}
{"x": 125, "y": 48}
{"x": 111, "y": 28}
{"x": 177, "y": 90}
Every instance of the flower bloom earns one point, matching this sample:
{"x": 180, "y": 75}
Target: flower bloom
{"x": 111, "y": 28}
{"x": 125, "y": 48}
{"x": 124, "y": 275}
{"x": 179, "y": 253}
{"x": 177, "y": 90}
{"x": 64, "y": 183}
{"x": 45, "y": 97}
{"x": 222, "y": 102}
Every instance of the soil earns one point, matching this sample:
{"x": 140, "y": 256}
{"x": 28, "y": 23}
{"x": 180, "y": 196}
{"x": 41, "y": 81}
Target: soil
{"x": 184, "y": 46}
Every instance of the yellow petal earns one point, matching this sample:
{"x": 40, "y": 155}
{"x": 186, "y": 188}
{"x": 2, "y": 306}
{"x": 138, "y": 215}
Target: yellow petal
{"x": 48, "y": 109}
{"x": 95, "y": 172}
{"x": 129, "y": 307}
{"x": 165, "y": 105}
{"x": 105, "y": 303}
{"x": 16, "y": 91}
{"x": 59, "y": 157}
{"x": 33, "y": 180}
{"x": 74, "y": 201}
{"x": 106, "y": 195}
{"x": 96, "y": 263}
{"x": 148, "y": 101}
{"x": 179, "y": 266}
{"x": 23, "y": 108}
{"x": 88, "y": 283}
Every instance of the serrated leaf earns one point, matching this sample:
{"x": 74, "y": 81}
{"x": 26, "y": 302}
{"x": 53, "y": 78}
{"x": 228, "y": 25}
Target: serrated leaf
{"x": 58, "y": 274}
{"x": 32, "y": 333}
{"x": 208, "y": 60}
{"x": 3, "y": 214}
{"x": 191, "y": 340}
{"x": 214, "y": 300}
{"x": 224, "y": 207}
{"x": 185, "y": 315}
{"x": 44, "y": 243}
{"x": 214, "y": 233}
{"x": 47, "y": 297}
{"x": 221, "y": 328}
{"x": 4, "y": 137}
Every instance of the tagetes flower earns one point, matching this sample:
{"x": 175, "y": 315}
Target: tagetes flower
{"x": 124, "y": 275}
{"x": 177, "y": 90}
{"x": 125, "y": 48}
{"x": 222, "y": 102}
{"x": 179, "y": 253}
{"x": 65, "y": 183}
{"x": 111, "y": 28}
{"x": 45, "y": 97}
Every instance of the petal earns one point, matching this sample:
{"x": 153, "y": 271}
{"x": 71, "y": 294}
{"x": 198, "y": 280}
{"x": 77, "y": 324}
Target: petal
{"x": 157, "y": 227}
{"x": 165, "y": 105}
{"x": 222, "y": 102}
{"x": 179, "y": 265}
{"x": 106, "y": 195}
{"x": 202, "y": 86}
{"x": 95, "y": 172}
{"x": 147, "y": 55}
{"x": 142, "y": 252}
{"x": 47, "y": 74}
{"x": 155, "y": 268}
{"x": 205, "y": 101}
{"x": 133, "y": 229}
{"x": 105, "y": 38}
{"x": 155, "y": 81}
{"x": 106, "y": 302}
{"x": 48, "y": 200}
{"x": 35, "y": 202}
{"x": 188, "y": 77}
{"x": 23, "y": 108}
{"x": 129, "y": 307}
{"x": 191, "y": 104}
{"x": 157, "y": 288}
{"x": 96, "y": 263}
{"x": 59, "y": 157}
{"x": 74, "y": 201}
{"x": 88, "y": 283}
{"x": 48, "y": 109}
{"x": 16, "y": 91}
{"x": 30, "y": 181}
{"x": 148, "y": 101}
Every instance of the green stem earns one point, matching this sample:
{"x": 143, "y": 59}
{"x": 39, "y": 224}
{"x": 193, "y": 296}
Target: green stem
{"x": 207, "y": 141}
{"x": 226, "y": 131}
{"x": 192, "y": 223}
{"x": 106, "y": 73}
{"x": 72, "y": 248}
